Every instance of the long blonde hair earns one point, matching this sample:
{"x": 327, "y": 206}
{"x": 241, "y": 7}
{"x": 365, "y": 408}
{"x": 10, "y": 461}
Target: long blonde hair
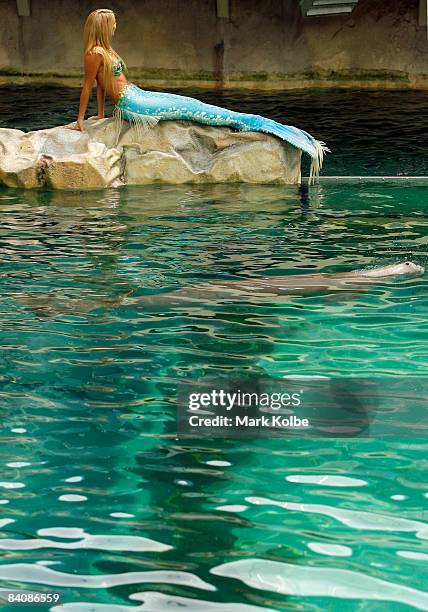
{"x": 97, "y": 36}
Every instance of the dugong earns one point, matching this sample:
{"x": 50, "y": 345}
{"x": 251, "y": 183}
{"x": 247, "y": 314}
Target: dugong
{"x": 291, "y": 284}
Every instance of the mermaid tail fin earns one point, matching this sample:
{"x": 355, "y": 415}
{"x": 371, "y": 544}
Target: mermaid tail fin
{"x": 141, "y": 123}
{"x": 300, "y": 139}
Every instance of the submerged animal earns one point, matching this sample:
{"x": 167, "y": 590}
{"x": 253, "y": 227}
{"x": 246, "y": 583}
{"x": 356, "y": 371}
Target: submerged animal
{"x": 293, "y": 284}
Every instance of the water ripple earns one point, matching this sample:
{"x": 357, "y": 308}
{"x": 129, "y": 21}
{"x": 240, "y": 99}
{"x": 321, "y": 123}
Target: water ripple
{"x": 100, "y": 542}
{"x": 290, "y": 579}
{"x": 351, "y": 518}
{"x": 37, "y": 574}
{"x": 161, "y": 603}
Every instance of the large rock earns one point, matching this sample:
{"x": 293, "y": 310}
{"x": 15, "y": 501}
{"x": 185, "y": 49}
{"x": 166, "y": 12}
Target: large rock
{"x": 171, "y": 152}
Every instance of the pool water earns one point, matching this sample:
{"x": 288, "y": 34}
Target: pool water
{"x": 100, "y": 501}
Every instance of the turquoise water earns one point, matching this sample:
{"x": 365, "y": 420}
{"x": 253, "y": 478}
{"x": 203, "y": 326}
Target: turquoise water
{"x": 101, "y": 502}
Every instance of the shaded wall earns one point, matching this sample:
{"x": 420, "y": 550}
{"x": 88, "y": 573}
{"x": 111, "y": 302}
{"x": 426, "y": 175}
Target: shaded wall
{"x": 264, "y": 44}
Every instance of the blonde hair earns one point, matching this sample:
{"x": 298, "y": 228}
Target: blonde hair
{"x": 97, "y": 36}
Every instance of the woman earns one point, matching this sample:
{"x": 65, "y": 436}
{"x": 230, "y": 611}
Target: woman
{"x": 145, "y": 108}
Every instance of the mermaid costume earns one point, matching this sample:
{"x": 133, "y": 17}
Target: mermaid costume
{"x": 144, "y": 109}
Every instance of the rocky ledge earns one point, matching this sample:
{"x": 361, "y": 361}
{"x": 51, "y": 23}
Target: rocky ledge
{"x": 172, "y": 152}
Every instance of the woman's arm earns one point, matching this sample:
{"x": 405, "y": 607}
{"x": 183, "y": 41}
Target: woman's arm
{"x": 101, "y": 96}
{"x": 92, "y": 64}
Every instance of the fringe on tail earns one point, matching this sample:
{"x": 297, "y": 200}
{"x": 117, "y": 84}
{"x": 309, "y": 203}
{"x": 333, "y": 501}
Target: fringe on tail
{"x": 139, "y": 123}
{"x": 317, "y": 161}
{"x": 300, "y": 139}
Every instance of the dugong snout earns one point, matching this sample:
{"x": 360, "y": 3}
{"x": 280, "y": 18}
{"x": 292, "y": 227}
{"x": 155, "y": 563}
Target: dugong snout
{"x": 412, "y": 268}
{"x": 405, "y": 267}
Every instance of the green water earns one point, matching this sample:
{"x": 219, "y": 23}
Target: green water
{"x": 88, "y": 398}
{"x": 100, "y": 501}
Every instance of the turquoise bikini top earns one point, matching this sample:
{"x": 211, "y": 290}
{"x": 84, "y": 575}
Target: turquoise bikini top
{"x": 118, "y": 67}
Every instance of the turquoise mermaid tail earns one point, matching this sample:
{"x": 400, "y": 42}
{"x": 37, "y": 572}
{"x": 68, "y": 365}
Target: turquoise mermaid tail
{"x": 145, "y": 108}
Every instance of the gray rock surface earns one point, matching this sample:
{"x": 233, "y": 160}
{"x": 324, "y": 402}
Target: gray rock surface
{"x": 172, "y": 152}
